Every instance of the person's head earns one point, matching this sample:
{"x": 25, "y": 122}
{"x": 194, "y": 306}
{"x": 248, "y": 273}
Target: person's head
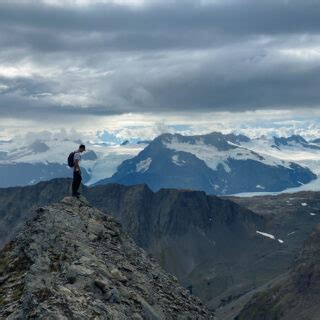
{"x": 82, "y": 148}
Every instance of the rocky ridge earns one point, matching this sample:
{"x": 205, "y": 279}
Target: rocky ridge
{"x": 71, "y": 261}
{"x": 209, "y": 244}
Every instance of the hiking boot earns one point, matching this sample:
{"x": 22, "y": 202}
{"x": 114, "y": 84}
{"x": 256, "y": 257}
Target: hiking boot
{"x": 76, "y": 194}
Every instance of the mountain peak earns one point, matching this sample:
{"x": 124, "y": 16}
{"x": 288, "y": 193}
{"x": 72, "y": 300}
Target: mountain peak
{"x": 214, "y": 138}
{"x": 294, "y": 141}
{"x": 286, "y": 141}
{"x": 73, "y": 261}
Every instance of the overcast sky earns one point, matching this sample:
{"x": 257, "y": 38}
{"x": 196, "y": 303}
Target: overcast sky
{"x": 195, "y": 65}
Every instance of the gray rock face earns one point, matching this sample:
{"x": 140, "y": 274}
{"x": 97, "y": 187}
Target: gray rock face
{"x": 19, "y": 204}
{"x": 73, "y": 262}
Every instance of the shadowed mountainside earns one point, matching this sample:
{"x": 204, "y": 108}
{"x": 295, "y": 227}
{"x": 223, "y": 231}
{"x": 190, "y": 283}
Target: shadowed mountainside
{"x": 296, "y": 295}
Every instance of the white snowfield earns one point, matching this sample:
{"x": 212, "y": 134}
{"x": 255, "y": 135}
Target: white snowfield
{"x": 270, "y": 236}
{"x": 294, "y": 152}
{"x": 213, "y": 157}
{"x": 177, "y": 161}
{"x": 143, "y": 165}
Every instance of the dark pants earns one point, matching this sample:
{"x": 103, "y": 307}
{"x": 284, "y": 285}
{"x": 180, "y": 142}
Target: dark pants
{"x": 76, "y": 181}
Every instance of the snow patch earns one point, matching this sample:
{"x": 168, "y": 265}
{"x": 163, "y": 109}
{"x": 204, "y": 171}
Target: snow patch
{"x": 270, "y": 236}
{"x": 177, "y": 161}
{"x": 304, "y": 204}
{"x": 233, "y": 144}
{"x": 143, "y": 165}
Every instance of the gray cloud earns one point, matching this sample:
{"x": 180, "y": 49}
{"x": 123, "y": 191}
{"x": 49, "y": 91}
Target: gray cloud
{"x": 161, "y": 25}
{"x": 166, "y": 56}
{"x": 249, "y": 16}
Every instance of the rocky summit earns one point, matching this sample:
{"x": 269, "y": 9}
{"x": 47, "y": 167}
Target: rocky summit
{"x": 71, "y": 261}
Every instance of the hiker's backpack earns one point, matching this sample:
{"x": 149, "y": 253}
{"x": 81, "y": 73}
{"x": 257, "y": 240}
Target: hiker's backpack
{"x": 71, "y": 160}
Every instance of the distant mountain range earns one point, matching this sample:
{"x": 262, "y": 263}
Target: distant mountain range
{"x": 215, "y": 163}
{"x": 295, "y": 141}
{"x": 42, "y": 160}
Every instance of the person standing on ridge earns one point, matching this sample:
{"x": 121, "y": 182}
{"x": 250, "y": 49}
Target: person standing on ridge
{"x": 74, "y": 162}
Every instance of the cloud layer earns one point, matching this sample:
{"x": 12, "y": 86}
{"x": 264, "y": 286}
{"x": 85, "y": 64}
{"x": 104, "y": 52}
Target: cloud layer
{"x": 81, "y": 58}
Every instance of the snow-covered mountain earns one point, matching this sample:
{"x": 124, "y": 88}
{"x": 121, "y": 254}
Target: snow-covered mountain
{"x": 215, "y": 163}
{"x": 294, "y": 141}
{"x": 295, "y": 149}
{"x": 223, "y": 163}
{"x": 26, "y": 164}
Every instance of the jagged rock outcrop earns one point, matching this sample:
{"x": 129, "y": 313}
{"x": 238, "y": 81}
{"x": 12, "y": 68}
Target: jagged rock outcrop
{"x": 71, "y": 261}
{"x": 296, "y": 294}
{"x": 18, "y": 204}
